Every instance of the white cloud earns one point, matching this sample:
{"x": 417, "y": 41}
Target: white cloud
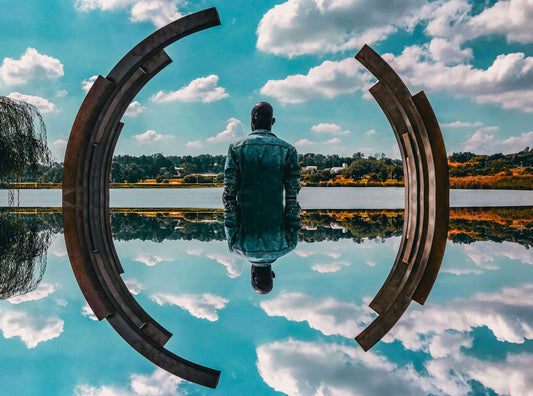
{"x": 299, "y": 27}
{"x": 304, "y": 143}
{"x": 449, "y": 52}
{"x": 234, "y": 267}
{"x": 195, "y": 144}
{"x": 134, "y": 286}
{"x": 88, "y": 312}
{"x": 134, "y": 109}
{"x": 508, "y": 82}
{"x": 151, "y": 259}
{"x": 30, "y": 66}
{"x": 203, "y": 306}
{"x": 58, "y": 148}
{"x": 462, "y": 124}
{"x": 370, "y": 132}
{"x": 62, "y": 93}
{"x": 234, "y": 130}
{"x": 151, "y": 137}
{"x": 333, "y": 129}
{"x": 31, "y": 330}
{"x": 159, "y": 12}
{"x": 328, "y": 315}
{"x": 511, "y": 19}
{"x": 300, "y": 368}
{"x": 42, "y": 291}
{"x": 203, "y": 89}
{"x": 159, "y": 383}
{"x": 324, "y": 268}
{"x": 43, "y": 105}
{"x": 328, "y": 80}
{"x": 88, "y": 83}
{"x": 482, "y": 142}
{"x": 307, "y": 142}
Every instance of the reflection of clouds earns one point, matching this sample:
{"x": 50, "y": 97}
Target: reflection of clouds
{"x": 31, "y": 330}
{"x": 159, "y": 383}
{"x": 88, "y": 312}
{"x": 195, "y": 252}
{"x": 134, "y": 286}
{"x": 58, "y": 247}
{"x": 306, "y": 253}
{"x": 234, "y": 267}
{"x": 508, "y": 314}
{"x": 456, "y": 271}
{"x": 305, "y": 368}
{"x": 328, "y": 315}
{"x": 329, "y": 267}
{"x": 203, "y": 306}
{"x": 150, "y": 259}
{"x": 485, "y": 253}
{"x": 42, "y": 291}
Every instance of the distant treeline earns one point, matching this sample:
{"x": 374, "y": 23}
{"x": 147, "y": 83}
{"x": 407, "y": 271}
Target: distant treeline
{"x": 467, "y": 170}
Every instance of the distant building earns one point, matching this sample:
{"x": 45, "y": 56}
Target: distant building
{"x": 338, "y": 169}
{"x": 309, "y": 168}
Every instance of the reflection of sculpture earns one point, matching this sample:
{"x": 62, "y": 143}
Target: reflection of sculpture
{"x": 22, "y": 255}
{"x": 258, "y": 168}
{"x": 86, "y": 198}
{"x": 426, "y": 198}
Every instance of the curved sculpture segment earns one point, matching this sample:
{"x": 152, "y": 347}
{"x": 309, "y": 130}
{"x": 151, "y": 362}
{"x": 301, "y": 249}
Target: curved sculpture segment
{"x": 426, "y": 198}
{"x": 86, "y": 175}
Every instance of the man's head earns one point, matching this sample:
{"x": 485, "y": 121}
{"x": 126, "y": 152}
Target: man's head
{"x": 262, "y": 278}
{"x": 262, "y": 116}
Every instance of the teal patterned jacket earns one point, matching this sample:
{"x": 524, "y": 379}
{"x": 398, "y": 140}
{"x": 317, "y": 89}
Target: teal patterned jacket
{"x": 258, "y": 169}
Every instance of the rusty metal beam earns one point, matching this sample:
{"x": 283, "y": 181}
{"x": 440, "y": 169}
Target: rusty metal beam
{"x": 86, "y": 198}
{"x": 426, "y": 198}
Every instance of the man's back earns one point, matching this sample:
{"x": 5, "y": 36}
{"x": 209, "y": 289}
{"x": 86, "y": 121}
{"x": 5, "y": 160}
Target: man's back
{"x": 262, "y": 166}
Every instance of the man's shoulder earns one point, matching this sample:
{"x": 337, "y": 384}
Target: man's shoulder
{"x": 270, "y": 139}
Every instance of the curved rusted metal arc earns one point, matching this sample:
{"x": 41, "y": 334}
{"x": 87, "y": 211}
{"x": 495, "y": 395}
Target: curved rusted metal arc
{"x": 442, "y": 192}
{"x": 86, "y": 197}
{"x": 425, "y": 223}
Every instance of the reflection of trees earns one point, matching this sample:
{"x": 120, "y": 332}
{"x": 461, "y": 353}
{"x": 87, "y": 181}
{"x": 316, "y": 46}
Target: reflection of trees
{"x": 497, "y": 225}
{"x": 466, "y": 225}
{"x": 23, "y": 245}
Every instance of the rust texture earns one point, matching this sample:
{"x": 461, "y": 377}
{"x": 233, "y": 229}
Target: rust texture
{"x": 426, "y": 198}
{"x": 86, "y": 178}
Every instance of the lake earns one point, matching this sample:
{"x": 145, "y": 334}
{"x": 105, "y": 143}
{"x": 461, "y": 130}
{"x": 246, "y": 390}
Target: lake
{"x": 474, "y": 335}
{"x": 309, "y": 198}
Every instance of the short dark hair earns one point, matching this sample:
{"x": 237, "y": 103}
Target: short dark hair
{"x": 262, "y": 114}
{"x": 262, "y": 277}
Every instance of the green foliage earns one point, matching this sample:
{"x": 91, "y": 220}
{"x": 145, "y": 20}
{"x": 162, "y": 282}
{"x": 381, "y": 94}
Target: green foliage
{"x": 22, "y": 139}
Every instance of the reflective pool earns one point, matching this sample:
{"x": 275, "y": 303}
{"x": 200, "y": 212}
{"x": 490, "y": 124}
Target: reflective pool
{"x": 473, "y": 335}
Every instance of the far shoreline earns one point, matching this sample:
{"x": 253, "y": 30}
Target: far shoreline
{"x": 150, "y": 185}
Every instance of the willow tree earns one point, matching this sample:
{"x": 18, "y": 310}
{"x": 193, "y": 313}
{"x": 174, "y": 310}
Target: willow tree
{"x": 23, "y": 248}
{"x": 22, "y": 139}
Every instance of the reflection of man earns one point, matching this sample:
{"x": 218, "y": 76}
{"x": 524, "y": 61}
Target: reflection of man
{"x": 258, "y": 169}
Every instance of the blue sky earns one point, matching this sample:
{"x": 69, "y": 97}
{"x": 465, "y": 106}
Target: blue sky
{"x": 474, "y": 59}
